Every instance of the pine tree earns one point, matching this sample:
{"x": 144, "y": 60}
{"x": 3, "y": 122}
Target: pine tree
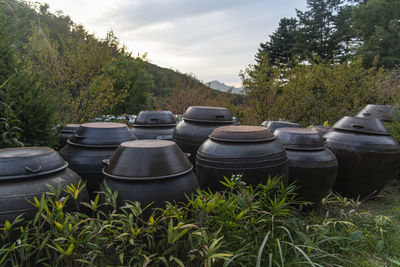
{"x": 281, "y": 43}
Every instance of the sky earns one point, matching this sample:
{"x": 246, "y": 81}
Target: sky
{"x": 211, "y": 39}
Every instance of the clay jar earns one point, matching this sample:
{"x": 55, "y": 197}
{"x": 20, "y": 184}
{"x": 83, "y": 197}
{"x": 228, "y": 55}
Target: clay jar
{"x": 252, "y": 151}
{"x": 273, "y": 125}
{"x": 368, "y": 156}
{"x": 67, "y": 132}
{"x": 383, "y": 112}
{"x": 150, "y": 171}
{"x": 90, "y": 145}
{"x": 311, "y": 166}
{"x": 198, "y": 123}
{"x": 154, "y": 125}
{"x": 25, "y": 173}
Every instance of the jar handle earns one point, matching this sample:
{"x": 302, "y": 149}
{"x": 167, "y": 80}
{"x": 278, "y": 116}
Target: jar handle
{"x": 187, "y": 155}
{"x": 357, "y": 126}
{"x": 79, "y": 136}
{"x": 106, "y": 162}
{"x": 219, "y": 116}
{"x": 366, "y": 113}
{"x": 38, "y": 169}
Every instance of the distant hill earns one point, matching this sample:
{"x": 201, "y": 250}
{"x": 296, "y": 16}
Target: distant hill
{"x": 223, "y": 87}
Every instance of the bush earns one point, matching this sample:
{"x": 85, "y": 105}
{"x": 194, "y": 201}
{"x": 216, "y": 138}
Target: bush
{"x": 242, "y": 226}
{"x": 34, "y": 109}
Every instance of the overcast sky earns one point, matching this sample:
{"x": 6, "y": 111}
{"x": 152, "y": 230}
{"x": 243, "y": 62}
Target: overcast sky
{"x": 212, "y": 39}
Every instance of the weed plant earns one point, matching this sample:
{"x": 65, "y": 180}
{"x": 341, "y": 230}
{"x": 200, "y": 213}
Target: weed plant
{"x": 242, "y": 226}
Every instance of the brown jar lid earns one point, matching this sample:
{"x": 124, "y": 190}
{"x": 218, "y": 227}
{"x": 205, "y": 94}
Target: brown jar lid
{"x": 208, "y": 114}
{"x": 300, "y": 138}
{"x": 242, "y": 133}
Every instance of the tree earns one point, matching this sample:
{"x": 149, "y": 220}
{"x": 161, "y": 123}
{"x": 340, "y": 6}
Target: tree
{"x": 280, "y": 46}
{"x": 130, "y": 79}
{"x": 377, "y": 24}
{"x": 8, "y": 60}
{"x": 317, "y": 32}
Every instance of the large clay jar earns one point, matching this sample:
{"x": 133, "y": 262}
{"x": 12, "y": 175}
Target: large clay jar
{"x": 67, "y": 132}
{"x": 154, "y": 125}
{"x": 252, "y": 151}
{"x": 273, "y": 125}
{"x": 312, "y": 166}
{"x": 383, "y": 112}
{"x": 150, "y": 171}
{"x": 26, "y": 173}
{"x": 368, "y": 157}
{"x": 90, "y": 145}
{"x": 198, "y": 123}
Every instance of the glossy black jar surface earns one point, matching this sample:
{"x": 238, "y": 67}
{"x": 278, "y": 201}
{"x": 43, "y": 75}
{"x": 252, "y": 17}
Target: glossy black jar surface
{"x": 251, "y": 151}
{"x": 150, "y": 171}
{"x": 154, "y": 125}
{"x": 25, "y": 173}
{"x": 312, "y": 166}
{"x": 385, "y": 113}
{"x": 273, "y": 125}
{"x": 67, "y": 132}
{"x": 197, "y": 124}
{"x": 89, "y": 146}
{"x": 368, "y": 156}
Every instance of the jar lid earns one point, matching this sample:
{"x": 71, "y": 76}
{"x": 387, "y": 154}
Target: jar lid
{"x": 70, "y": 128}
{"x": 147, "y": 160}
{"x": 242, "y": 134}
{"x": 300, "y": 138}
{"x": 382, "y": 112}
{"x": 361, "y": 125}
{"x": 208, "y": 114}
{"x": 273, "y": 125}
{"x": 25, "y": 162}
{"x": 155, "y": 118}
{"x": 101, "y": 134}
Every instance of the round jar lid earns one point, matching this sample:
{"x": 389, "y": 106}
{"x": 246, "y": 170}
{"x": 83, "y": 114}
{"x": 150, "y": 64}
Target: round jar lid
{"x": 70, "y": 128}
{"x": 242, "y": 133}
{"x": 24, "y": 162}
{"x": 382, "y": 112}
{"x": 361, "y": 125}
{"x": 147, "y": 160}
{"x": 101, "y": 134}
{"x": 208, "y": 114}
{"x": 273, "y": 125}
{"x": 300, "y": 138}
{"x": 155, "y": 118}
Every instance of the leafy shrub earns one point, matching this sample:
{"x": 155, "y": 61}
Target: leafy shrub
{"x": 242, "y": 226}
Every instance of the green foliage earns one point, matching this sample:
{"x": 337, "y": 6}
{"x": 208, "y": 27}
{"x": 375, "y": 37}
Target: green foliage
{"x": 377, "y": 24}
{"x": 34, "y": 110}
{"x": 242, "y": 226}
{"x": 312, "y": 93}
{"x": 282, "y": 41}
{"x": 130, "y": 78}
{"x": 10, "y": 132}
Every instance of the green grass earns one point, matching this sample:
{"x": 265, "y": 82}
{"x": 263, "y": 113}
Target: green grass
{"x": 240, "y": 227}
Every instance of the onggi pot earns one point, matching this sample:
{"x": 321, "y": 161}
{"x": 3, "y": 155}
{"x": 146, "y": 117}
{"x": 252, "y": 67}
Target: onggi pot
{"x": 273, "y": 125}
{"x": 154, "y": 125}
{"x": 312, "y": 166}
{"x": 26, "y": 173}
{"x": 251, "y": 151}
{"x": 67, "y": 132}
{"x": 382, "y": 112}
{"x": 368, "y": 156}
{"x": 198, "y": 123}
{"x": 90, "y": 145}
{"x": 150, "y": 171}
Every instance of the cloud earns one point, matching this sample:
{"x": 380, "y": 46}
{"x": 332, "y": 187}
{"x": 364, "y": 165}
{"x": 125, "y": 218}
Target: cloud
{"x": 213, "y": 39}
